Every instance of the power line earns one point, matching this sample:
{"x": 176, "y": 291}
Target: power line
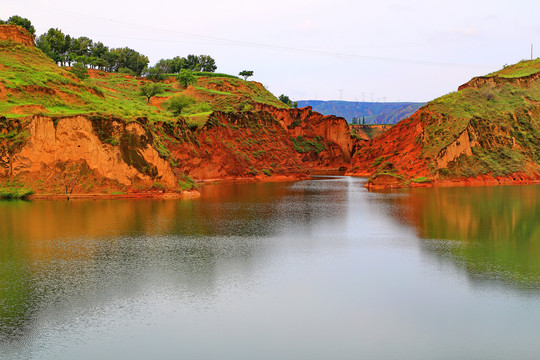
{"x": 258, "y": 45}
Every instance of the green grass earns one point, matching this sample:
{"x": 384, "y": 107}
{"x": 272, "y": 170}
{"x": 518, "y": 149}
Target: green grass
{"x": 303, "y": 145}
{"x": 214, "y": 75}
{"x": 212, "y": 91}
{"x": 521, "y": 69}
{"x": 487, "y": 109}
{"x": 187, "y": 183}
{"x": 9, "y": 193}
{"x": 198, "y": 119}
{"x": 421, "y": 180}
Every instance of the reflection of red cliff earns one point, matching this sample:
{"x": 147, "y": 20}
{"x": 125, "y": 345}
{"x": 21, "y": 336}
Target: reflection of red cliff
{"x": 309, "y": 124}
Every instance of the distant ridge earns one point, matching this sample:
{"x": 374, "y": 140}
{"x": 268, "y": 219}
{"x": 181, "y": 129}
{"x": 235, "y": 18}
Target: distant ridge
{"x": 373, "y": 112}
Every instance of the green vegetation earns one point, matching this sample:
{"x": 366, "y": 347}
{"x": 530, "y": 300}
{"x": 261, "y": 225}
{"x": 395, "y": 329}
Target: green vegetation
{"x": 80, "y": 71}
{"x": 521, "y": 69}
{"x": 303, "y": 145}
{"x": 212, "y": 74}
{"x": 14, "y": 190}
{"x": 20, "y": 21}
{"x": 498, "y": 117}
{"x": 179, "y": 102}
{"x": 378, "y": 161}
{"x": 287, "y": 101}
{"x": 191, "y": 62}
{"x": 150, "y": 90}
{"x": 421, "y": 180}
{"x": 186, "y": 77}
{"x": 187, "y": 183}
{"x": 155, "y": 74}
{"x": 246, "y": 74}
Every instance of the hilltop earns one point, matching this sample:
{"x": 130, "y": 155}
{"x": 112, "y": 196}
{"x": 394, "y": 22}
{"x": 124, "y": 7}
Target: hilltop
{"x": 61, "y": 134}
{"x": 487, "y": 132}
{"x": 372, "y": 112}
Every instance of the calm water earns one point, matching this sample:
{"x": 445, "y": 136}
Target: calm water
{"x": 319, "y": 269}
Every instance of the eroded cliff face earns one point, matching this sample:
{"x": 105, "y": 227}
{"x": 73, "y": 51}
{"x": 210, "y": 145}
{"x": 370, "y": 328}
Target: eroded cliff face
{"x": 108, "y": 148}
{"x": 483, "y": 153}
{"x": 16, "y": 34}
{"x": 399, "y": 146}
{"x": 234, "y": 146}
{"x": 463, "y": 145}
{"x": 493, "y": 81}
{"x": 331, "y": 132}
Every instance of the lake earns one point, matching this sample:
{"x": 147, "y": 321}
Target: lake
{"x": 317, "y": 269}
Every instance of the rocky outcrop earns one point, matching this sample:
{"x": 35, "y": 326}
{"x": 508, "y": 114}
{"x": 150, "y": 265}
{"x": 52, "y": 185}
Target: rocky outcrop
{"x": 461, "y": 146}
{"x": 234, "y": 146}
{"x": 493, "y": 81}
{"x": 331, "y": 131}
{"x": 16, "y": 34}
{"x": 116, "y": 151}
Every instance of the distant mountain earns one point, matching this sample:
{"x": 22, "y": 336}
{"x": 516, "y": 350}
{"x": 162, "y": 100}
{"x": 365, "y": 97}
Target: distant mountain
{"x": 373, "y": 112}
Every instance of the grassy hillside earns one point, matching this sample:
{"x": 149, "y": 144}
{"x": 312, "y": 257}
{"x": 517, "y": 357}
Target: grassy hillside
{"x": 31, "y": 83}
{"x": 521, "y": 69}
{"x": 505, "y": 116}
{"x": 489, "y": 129}
{"x": 373, "y": 112}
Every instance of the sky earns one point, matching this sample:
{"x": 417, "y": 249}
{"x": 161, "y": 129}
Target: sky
{"x": 379, "y": 50}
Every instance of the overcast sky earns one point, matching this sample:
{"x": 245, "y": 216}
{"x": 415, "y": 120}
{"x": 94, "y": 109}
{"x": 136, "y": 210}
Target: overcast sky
{"x": 385, "y": 50}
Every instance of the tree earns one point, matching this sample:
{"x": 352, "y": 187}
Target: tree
{"x": 192, "y": 63}
{"x": 178, "y": 63}
{"x": 79, "y": 70}
{"x": 22, "y": 22}
{"x": 165, "y": 65}
{"x": 69, "y": 176}
{"x": 150, "y": 90}
{"x": 185, "y": 77}
{"x": 246, "y": 74}
{"x": 155, "y": 74}
{"x": 55, "y": 44}
{"x": 177, "y": 103}
{"x": 129, "y": 58}
{"x": 207, "y": 63}
{"x": 287, "y": 101}
{"x": 98, "y": 49}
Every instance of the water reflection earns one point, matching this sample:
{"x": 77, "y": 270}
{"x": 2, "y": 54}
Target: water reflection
{"x": 494, "y": 232}
{"x": 54, "y": 253}
{"x": 311, "y": 269}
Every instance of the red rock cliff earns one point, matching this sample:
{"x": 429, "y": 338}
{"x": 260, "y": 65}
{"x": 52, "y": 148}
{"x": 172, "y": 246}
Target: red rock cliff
{"x": 306, "y": 123}
{"x": 17, "y": 34}
{"x": 233, "y": 146}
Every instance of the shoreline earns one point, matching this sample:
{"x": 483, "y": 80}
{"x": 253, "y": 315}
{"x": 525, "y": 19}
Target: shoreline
{"x": 451, "y": 183}
{"x": 193, "y": 194}
{"x": 161, "y": 195}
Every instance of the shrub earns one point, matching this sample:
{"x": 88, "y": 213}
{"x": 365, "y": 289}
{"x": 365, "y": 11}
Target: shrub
{"x": 177, "y": 103}
{"x": 80, "y": 71}
{"x": 124, "y": 70}
{"x": 186, "y": 77}
{"x": 15, "y": 193}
